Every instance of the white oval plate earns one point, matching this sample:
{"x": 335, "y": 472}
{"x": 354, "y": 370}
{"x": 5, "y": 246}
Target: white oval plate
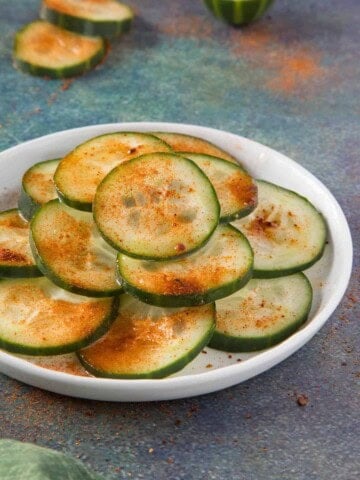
{"x": 213, "y": 370}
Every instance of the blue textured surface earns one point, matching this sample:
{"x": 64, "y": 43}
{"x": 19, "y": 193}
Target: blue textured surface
{"x": 290, "y": 81}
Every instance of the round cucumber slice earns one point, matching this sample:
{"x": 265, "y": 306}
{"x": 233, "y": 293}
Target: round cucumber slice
{"x": 70, "y": 251}
{"x": 91, "y": 161}
{"x": 238, "y": 12}
{"x": 156, "y": 207}
{"x": 180, "y": 142}
{"x": 88, "y": 17}
{"x": 16, "y": 259}
{"x": 262, "y": 314}
{"x": 37, "y": 187}
{"x": 285, "y": 231}
{"x": 38, "y": 318}
{"x": 235, "y": 189}
{"x": 220, "y": 268}
{"x": 46, "y": 50}
{"x": 149, "y": 342}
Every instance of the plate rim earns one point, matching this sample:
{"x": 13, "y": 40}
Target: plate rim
{"x": 207, "y": 381}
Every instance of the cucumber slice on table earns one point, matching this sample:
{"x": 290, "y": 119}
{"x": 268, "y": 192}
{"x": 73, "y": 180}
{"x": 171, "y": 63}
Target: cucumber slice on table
{"x": 285, "y": 231}
{"x": 235, "y": 189}
{"x": 49, "y": 51}
{"x": 220, "y": 268}
{"x": 149, "y": 342}
{"x": 38, "y": 318}
{"x": 70, "y": 251}
{"x": 238, "y": 12}
{"x": 16, "y": 259}
{"x": 180, "y": 142}
{"x": 80, "y": 172}
{"x": 156, "y": 207}
{"x": 37, "y": 187}
{"x": 262, "y": 314}
{"x": 89, "y": 17}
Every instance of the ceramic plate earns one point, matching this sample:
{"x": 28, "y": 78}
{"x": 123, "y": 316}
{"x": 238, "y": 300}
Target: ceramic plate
{"x": 212, "y": 370}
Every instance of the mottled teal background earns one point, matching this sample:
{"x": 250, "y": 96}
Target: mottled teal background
{"x": 290, "y": 81}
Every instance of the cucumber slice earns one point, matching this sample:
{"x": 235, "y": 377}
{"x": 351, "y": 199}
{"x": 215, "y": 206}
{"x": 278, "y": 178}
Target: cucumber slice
{"x": 285, "y": 231}
{"x": 262, "y": 314}
{"x": 220, "y": 268}
{"x": 180, "y": 142}
{"x": 238, "y": 12}
{"x": 235, "y": 189}
{"x": 88, "y": 17}
{"x": 149, "y": 342}
{"x": 37, "y": 187}
{"x": 38, "y": 318}
{"x": 156, "y": 207}
{"x": 16, "y": 259}
{"x": 70, "y": 251}
{"x": 80, "y": 172}
{"x": 48, "y": 51}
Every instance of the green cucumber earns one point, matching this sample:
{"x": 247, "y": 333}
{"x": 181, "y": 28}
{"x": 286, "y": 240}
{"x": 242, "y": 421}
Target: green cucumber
{"x": 70, "y": 251}
{"x": 180, "y": 142}
{"x": 81, "y": 171}
{"x": 235, "y": 189}
{"x": 238, "y": 12}
{"x": 149, "y": 342}
{"x": 37, "y": 187}
{"x": 45, "y": 50}
{"x": 20, "y": 460}
{"x": 262, "y": 314}
{"x": 156, "y": 207}
{"x": 285, "y": 231}
{"x": 38, "y": 318}
{"x": 220, "y": 268}
{"x": 16, "y": 259}
{"x": 88, "y": 17}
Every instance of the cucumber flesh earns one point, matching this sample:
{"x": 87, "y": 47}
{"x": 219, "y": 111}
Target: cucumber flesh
{"x": 70, "y": 251}
{"x": 149, "y": 342}
{"x": 37, "y": 187}
{"x": 220, "y": 268}
{"x": 91, "y": 161}
{"x": 88, "y": 17}
{"x": 180, "y": 142}
{"x": 46, "y": 50}
{"x": 285, "y": 231}
{"x": 38, "y": 318}
{"x": 235, "y": 189}
{"x": 156, "y": 207}
{"x": 16, "y": 259}
{"x": 262, "y": 314}
{"x": 238, "y": 12}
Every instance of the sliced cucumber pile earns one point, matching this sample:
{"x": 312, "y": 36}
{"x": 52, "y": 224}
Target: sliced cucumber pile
{"x": 262, "y": 314}
{"x": 38, "y": 318}
{"x": 70, "y": 251}
{"x": 285, "y": 231}
{"x": 37, "y": 187}
{"x": 238, "y": 12}
{"x": 91, "y": 161}
{"x": 88, "y": 17}
{"x": 69, "y": 40}
{"x": 123, "y": 212}
{"x": 149, "y": 342}
{"x": 16, "y": 259}
{"x": 166, "y": 207}
{"x": 223, "y": 266}
{"x": 236, "y": 190}
{"x": 46, "y": 50}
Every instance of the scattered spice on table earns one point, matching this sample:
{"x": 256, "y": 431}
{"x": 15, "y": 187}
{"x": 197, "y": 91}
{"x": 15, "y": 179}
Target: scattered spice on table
{"x": 302, "y": 400}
